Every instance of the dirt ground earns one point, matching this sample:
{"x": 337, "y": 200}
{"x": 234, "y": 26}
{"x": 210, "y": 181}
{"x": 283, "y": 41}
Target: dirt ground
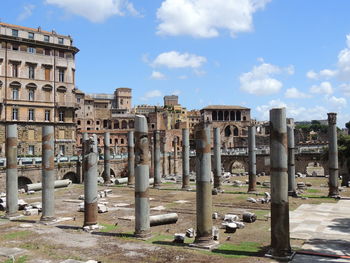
{"x": 115, "y": 242}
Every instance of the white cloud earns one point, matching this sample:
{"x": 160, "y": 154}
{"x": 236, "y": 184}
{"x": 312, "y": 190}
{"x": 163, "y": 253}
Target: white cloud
{"x": 151, "y": 94}
{"x": 259, "y": 81}
{"x": 344, "y": 61}
{"x": 345, "y": 88}
{"x": 27, "y": 12}
{"x": 293, "y": 111}
{"x": 294, "y": 93}
{"x": 183, "y": 77}
{"x": 324, "y": 88}
{"x": 336, "y": 103}
{"x": 174, "y": 59}
{"x": 157, "y": 75}
{"x": 205, "y": 18}
{"x": 311, "y": 74}
{"x": 96, "y": 11}
{"x": 323, "y": 74}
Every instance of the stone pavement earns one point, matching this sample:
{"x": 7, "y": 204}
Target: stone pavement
{"x": 325, "y": 229}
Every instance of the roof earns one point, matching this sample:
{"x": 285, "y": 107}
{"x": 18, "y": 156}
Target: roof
{"x": 225, "y": 107}
{"x": 31, "y": 29}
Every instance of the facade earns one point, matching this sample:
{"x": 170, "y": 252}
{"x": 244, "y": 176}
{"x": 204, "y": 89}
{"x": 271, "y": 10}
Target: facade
{"x": 37, "y": 87}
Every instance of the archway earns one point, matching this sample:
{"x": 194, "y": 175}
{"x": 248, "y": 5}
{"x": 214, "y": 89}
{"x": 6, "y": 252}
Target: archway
{"x": 71, "y": 176}
{"x": 235, "y": 131}
{"x": 237, "y": 167}
{"x": 227, "y": 131}
{"x": 23, "y": 181}
{"x": 111, "y": 172}
{"x": 314, "y": 169}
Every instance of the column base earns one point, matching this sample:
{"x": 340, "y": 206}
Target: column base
{"x": 204, "y": 243}
{"x": 293, "y": 194}
{"x": 47, "y": 219}
{"x": 286, "y": 258}
{"x": 186, "y": 188}
{"x": 131, "y": 185}
{"x": 144, "y": 235}
{"x": 253, "y": 191}
{"x": 11, "y": 216}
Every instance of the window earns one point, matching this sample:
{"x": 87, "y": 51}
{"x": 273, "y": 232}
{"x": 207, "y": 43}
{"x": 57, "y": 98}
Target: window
{"x": 31, "y": 50}
{"x": 30, "y": 35}
{"x": 122, "y": 141}
{"x": 47, "y": 38}
{"x": 61, "y": 116}
{"x": 47, "y": 52}
{"x": 31, "y": 94}
{"x": 60, "y": 41}
{"x": 61, "y": 54}
{"x": 15, "y": 70}
{"x": 15, "y": 94}
{"x": 78, "y": 100}
{"x": 47, "y": 115}
{"x": 47, "y": 74}
{"x": 14, "y": 33}
{"x": 14, "y": 114}
{"x": 62, "y": 150}
{"x": 31, "y": 71}
{"x": 31, "y": 150}
{"x": 15, "y": 47}
{"x": 61, "y": 75}
{"x": 31, "y": 115}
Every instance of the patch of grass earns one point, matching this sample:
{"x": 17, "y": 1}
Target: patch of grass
{"x": 16, "y": 235}
{"x": 160, "y": 237}
{"x": 313, "y": 191}
{"x": 21, "y": 259}
{"x": 108, "y": 228}
{"x": 244, "y": 249}
{"x": 261, "y": 213}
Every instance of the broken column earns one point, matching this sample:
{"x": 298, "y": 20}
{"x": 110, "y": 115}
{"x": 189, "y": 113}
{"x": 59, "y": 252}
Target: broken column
{"x": 156, "y": 159}
{"x": 175, "y": 156}
{"x": 291, "y": 158}
{"x": 131, "y": 159}
{"x": 204, "y": 237}
{"x": 185, "y": 159}
{"x": 90, "y": 183}
{"x": 252, "y": 158}
{"x": 11, "y": 171}
{"x": 217, "y": 159}
{"x": 107, "y": 158}
{"x": 164, "y": 155}
{"x": 280, "y": 240}
{"x": 142, "y": 213}
{"x": 48, "y": 174}
{"x": 333, "y": 156}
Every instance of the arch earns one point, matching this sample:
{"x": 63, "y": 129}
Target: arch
{"x": 124, "y": 124}
{"x": 228, "y": 131}
{"x": 244, "y": 118}
{"x": 214, "y": 115}
{"x": 23, "y": 181}
{"x": 15, "y": 84}
{"x": 131, "y": 124}
{"x": 116, "y": 124}
{"x": 31, "y": 86}
{"x": 47, "y": 87}
{"x": 62, "y": 89}
{"x": 220, "y": 116}
{"x": 72, "y": 176}
{"x": 232, "y": 116}
{"x": 226, "y": 116}
{"x": 111, "y": 172}
{"x": 237, "y": 167}
{"x": 235, "y": 131}
{"x": 238, "y": 115}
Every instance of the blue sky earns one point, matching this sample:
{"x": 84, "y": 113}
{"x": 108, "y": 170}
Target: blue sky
{"x": 255, "y": 53}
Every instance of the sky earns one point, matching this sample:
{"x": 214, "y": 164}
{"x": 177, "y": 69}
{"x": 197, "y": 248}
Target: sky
{"x": 259, "y": 54}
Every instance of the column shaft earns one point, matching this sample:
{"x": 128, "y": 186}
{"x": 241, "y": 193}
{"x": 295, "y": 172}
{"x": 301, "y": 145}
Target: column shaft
{"x": 107, "y": 158}
{"x": 333, "y": 156}
{"x": 156, "y": 159}
{"x": 185, "y": 159}
{"x": 252, "y": 158}
{"x": 217, "y": 158}
{"x": 131, "y": 159}
{"x": 11, "y": 170}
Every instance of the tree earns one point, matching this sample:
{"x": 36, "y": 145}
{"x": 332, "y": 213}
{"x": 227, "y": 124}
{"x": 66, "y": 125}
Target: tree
{"x": 347, "y": 125}
{"x": 344, "y": 156}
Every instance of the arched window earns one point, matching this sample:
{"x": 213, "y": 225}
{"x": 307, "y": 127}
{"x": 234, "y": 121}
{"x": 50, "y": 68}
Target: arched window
{"x": 238, "y": 116}
{"x": 116, "y": 124}
{"x": 214, "y": 115}
{"x": 220, "y": 116}
{"x": 124, "y": 125}
{"x": 235, "y": 131}
{"x": 228, "y": 131}
{"x": 131, "y": 124}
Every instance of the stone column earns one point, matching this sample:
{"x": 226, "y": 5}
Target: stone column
{"x": 185, "y": 159}
{"x": 48, "y": 174}
{"x": 164, "y": 156}
{"x": 175, "y": 156}
{"x": 107, "y": 158}
{"x": 204, "y": 237}
{"x": 252, "y": 158}
{"x": 131, "y": 159}
{"x": 90, "y": 183}
{"x": 156, "y": 159}
{"x": 169, "y": 162}
{"x": 83, "y": 151}
{"x": 151, "y": 149}
{"x": 217, "y": 159}
{"x": 142, "y": 213}
{"x": 291, "y": 158}
{"x": 333, "y": 156}
{"x": 11, "y": 171}
{"x": 280, "y": 241}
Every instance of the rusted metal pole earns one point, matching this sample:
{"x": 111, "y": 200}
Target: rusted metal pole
{"x": 90, "y": 183}
{"x": 185, "y": 159}
{"x": 204, "y": 237}
{"x": 175, "y": 156}
{"x": 217, "y": 159}
{"x": 292, "y": 191}
{"x": 157, "y": 176}
{"x": 333, "y": 156}
{"x": 131, "y": 159}
{"x": 280, "y": 240}
{"x": 142, "y": 220}
{"x": 107, "y": 158}
{"x": 11, "y": 171}
{"x": 164, "y": 156}
{"x": 48, "y": 174}
{"x": 252, "y": 158}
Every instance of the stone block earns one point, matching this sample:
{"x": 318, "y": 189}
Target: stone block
{"x": 31, "y": 212}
